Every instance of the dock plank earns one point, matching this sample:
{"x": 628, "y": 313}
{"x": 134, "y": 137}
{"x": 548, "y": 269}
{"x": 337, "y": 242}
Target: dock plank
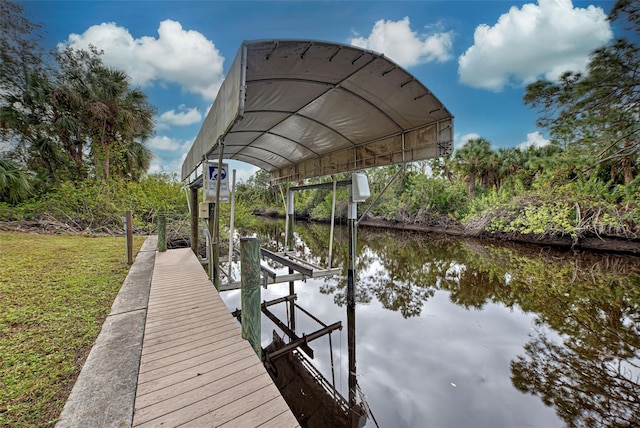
{"x": 256, "y": 416}
{"x": 195, "y": 369}
{"x": 226, "y": 364}
{"x": 157, "y": 368}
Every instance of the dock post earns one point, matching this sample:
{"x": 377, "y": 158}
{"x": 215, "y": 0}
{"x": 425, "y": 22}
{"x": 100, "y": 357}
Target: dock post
{"x": 128, "y": 226}
{"x": 250, "y": 292}
{"x": 193, "y": 204}
{"x": 162, "y": 233}
{"x": 215, "y": 247}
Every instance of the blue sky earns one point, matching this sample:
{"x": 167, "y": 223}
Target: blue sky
{"x": 475, "y": 56}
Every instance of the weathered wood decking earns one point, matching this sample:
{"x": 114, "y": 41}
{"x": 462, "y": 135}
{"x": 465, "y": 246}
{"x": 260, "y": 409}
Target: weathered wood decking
{"x": 195, "y": 369}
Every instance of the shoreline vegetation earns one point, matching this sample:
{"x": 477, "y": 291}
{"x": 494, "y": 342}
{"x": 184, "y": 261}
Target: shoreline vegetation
{"x": 597, "y": 243}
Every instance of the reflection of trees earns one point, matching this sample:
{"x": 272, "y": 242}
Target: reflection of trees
{"x": 592, "y": 302}
{"x": 410, "y": 270}
{"x": 587, "y": 388}
{"x": 410, "y": 267}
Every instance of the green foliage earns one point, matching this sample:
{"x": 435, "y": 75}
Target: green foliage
{"x": 475, "y": 161}
{"x": 15, "y": 183}
{"x": 540, "y": 219}
{"x": 92, "y": 205}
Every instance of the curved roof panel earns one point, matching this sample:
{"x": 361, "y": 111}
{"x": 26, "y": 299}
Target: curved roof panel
{"x": 302, "y": 108}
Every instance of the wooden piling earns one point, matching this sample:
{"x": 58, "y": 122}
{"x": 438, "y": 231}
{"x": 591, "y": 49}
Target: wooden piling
{"x": 162, "y": 233}
{"x": 193, "y": 203}
{"x": 250, "y": 292}
{"x": 128, "y": 225}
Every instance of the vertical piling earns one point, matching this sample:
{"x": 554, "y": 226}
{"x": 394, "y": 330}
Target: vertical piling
{"x": 128, "y": 225}
{"x": 162, "y": 233}
{"x": 215, "y": 246}
{"x": 289, "y": 240}
{"x": 232, "y": 222}
{"x": 250, "y": 291}
{"x": 210, "y": 259}
{"x": 193, "y": 204}
{"x": 351, "y": 310}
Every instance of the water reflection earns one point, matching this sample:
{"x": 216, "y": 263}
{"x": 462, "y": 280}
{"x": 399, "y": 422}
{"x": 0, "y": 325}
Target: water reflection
{"x": 481, "y": 324}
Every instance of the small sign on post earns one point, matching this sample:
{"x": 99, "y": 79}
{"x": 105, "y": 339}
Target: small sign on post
{"x": 211, "y": 171}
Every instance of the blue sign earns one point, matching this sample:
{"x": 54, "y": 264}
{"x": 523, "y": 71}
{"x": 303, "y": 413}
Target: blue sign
{"x": 213, "y": 173}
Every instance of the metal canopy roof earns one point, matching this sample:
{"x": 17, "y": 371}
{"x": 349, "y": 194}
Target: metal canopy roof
{"x": 301, "y": 109}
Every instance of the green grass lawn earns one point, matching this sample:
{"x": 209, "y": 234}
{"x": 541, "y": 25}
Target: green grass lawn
{"x": 55, "y": 292}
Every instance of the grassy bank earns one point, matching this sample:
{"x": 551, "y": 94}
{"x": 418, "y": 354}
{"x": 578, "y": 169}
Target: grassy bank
{"x": 55, "y": 292}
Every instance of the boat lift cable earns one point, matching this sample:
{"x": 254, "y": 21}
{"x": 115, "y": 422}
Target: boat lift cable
{"x": 365, "y": 403}
{"x": 207, "y": 236}
{"x": 186, "y": 194}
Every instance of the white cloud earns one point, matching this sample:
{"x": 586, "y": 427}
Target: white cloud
{"x": 169, "y": 166}
{"x": 243, "y": 170}
{"x": 168, "y": 144}
{"x": 397, "y": 41}
{"x": 537, "y": 40}
{"x": 459, "y": 141}
{"x": 168, "y": 154}
{"x": 183, "y": 117}
{"x": 177, "y": 55}
{"x": 534, "y": 139}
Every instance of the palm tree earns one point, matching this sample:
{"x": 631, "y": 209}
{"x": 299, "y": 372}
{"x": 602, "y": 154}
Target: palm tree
{"x": 472, "y": 161}
{"x": 15, "y": 185}
{"x": 136, "y": 162}
{"x": 119, "y": 117}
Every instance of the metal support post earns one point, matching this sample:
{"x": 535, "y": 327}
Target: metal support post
{"x": 290, "y": 218}
{"x": 290, "y": 244}
{"x": 232, "y": 222}
{"x": 216, "y": 222}
{"x": 351, "y": 308}
{"x": 333, "y": 222}
{"x": 210, "y": 259}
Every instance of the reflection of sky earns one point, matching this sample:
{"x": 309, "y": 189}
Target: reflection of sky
{"x": 448, "y": 367}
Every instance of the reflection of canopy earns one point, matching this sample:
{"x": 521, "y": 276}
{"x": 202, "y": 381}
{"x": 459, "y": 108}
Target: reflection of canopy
{"x": 302, "y": 109}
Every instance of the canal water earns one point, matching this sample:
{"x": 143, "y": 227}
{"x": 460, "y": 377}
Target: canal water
{"x": 464, "y": 333}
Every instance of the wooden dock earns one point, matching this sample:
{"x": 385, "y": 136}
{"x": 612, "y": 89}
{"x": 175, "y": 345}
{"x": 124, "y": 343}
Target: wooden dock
{"x": 196, "y": 370}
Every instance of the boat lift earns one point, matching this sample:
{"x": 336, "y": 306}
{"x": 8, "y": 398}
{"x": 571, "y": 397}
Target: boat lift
{"x": 299, "y": 269}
